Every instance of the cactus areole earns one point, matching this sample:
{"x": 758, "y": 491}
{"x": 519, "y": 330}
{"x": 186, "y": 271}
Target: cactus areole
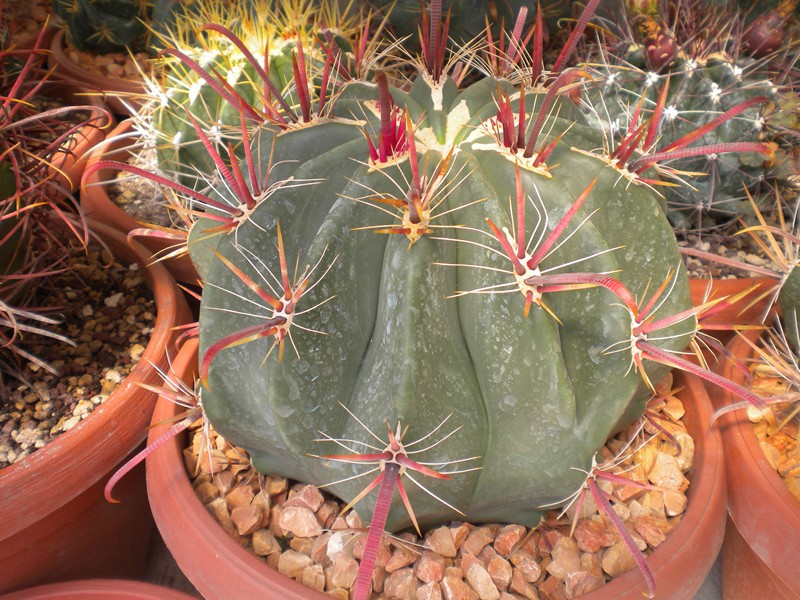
{"x": 431, "y": 255}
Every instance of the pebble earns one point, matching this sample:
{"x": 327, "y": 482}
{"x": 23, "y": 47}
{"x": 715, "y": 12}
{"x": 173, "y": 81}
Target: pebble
{"x": 617, "y": 559}
{"x": 401, "y": 585}
{"x": 292, "y": 563}
{"x": 480, "y": 581}
{"x": 300, "y": 521}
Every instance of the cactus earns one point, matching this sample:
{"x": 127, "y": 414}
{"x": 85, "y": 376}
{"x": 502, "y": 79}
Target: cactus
{"x": 478, "y": 255}
{"x": 103, "y": 26}
{"x": 31, "y": 202}
{"x": 414, "y": 316}
{"x": 315, "y": 28}
{"x": 704, "y": 80}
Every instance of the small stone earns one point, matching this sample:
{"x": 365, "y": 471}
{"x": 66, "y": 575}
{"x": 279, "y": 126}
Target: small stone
{"x": 430, "y": 567}
{"x": 314, "y": 577}
{"x": 461, "y": 531}
{"x": 566, "y": 558}
{"x": 136, "y": 352}
{"x": 530, "y": 570}
{"x": 306, "y": 496}
{"x": 455, "y": 588}
{"x": 507, "y": 539}
{"x": 476, "y": 540}
{"x": 343, "y": 572}
{"x": 553, "y": 589}
{"x": 241, "y": 495}
{"x": 275, "y": 485}
{"x": 246, "y": 518}
{"x": 673, "y": 408}
{"x": 300, "y": 522}
{"x": 429, "y": 591}
{"x": 113, "y": 376}
{"x": 400, "y": 558}
{"x": 327, "y": 513}
{"x": 617, "y": 559}
{"x": 206, "y": 492}
{"x": 113, "y": 300}
{"x": 582, "y": 582}
{"x": 652, "y": 529}
{"x": 87, "y": 311}
{"x": 666, "y": 473}
{"x": 401, "y": 585}
{"x": 223, "y": 480}
{"x": 500, "y": 571}
{"x": 480, "y": 581}
{"x": 440, "y": 540}
{"x": 292, "y": 564}
{"x": 674, "y": 503}
{"x": 591, "y": 535}
{"x": 264, "y": 542}
{"x": 520, "y": 586}
{"x": 686, "y": 456}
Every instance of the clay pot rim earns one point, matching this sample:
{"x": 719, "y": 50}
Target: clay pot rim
{"x": 702, "y": 524}
{"x": 86, "y": 451}
{"x": 72, "y": 164}
{"x": 764, "y": 511}
{"x": 80, "y": 73}
{"x": 95, "y": 200}
{"x": 98, "y": 589}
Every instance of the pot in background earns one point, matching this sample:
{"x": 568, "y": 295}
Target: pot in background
{"x": 56, "y": 522}
{"x": 759, "y": 556}
{"x": 115, "y": 89}
{"x": 96, "y": 203}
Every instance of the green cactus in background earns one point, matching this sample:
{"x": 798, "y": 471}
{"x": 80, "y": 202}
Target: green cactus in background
{"x": 697, "y": 54}
{"x": 105, "y": 25}
{"x": 292, "y": 31}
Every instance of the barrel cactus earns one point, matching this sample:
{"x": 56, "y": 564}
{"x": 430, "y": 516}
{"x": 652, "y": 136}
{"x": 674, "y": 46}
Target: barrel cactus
{"x": 291, "y": 32}
{"x": 105, "y": 25}
{"x": 480, "y": 256}
{"x": 474, "y": 265}
{"x": 428, "y": 255}
{"x": 705, "y": 77}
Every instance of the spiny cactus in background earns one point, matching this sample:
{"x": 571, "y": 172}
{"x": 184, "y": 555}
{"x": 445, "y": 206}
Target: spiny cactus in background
{"x": 294, "y": 34}
{"x": 705, "y": 79}
{"x": 105, "y": 25}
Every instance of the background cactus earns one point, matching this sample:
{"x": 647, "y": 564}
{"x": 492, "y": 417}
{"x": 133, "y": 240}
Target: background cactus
{"x": 105, "y": 25}
{"x": 177, "y": 89}
{"x": 706, "y": 77}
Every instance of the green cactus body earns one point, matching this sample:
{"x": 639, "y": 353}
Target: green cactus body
{"x": 416, "y": 331}
{"x": 699, "y": 92}
{"x": 789, "y": 301}
{"x": 105, "y": 25}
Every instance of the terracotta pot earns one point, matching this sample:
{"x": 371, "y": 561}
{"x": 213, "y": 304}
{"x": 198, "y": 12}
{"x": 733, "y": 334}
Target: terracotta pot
{"x": 131, "y": 91}
{"x": 98, "y": 589}
{"x": 68, "y": 164}
{"x": 759, "y": 556}
{"x": 56, "y": 523}
{"x": 96, "y": 203}
{"x": 221, "y": 569}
